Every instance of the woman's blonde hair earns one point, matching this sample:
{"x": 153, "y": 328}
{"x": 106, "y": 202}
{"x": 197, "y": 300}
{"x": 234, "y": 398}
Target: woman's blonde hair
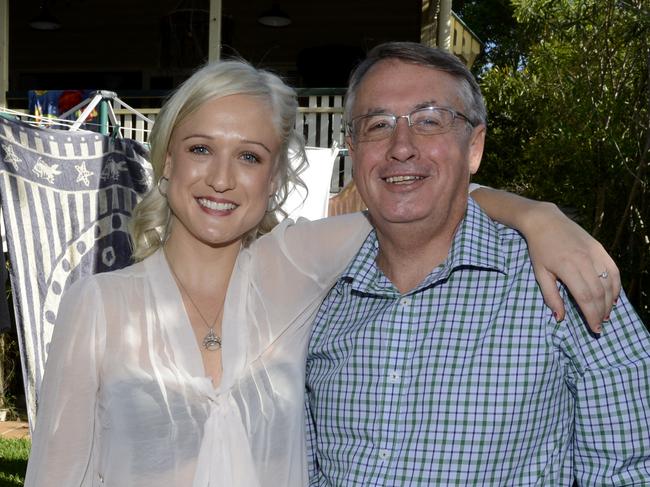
{"x": 149, "y": 227}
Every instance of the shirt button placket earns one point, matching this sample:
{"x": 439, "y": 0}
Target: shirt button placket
{"x": 394, "y": 376}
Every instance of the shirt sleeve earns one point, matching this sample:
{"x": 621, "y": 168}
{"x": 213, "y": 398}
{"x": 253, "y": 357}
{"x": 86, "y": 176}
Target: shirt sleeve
{"x": 63, "y": 437}
{"x": 310, "y": 437}
{"x": 610, "y": 378}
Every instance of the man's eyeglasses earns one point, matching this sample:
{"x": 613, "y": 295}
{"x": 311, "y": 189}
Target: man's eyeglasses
{"x": 422, "y": 121}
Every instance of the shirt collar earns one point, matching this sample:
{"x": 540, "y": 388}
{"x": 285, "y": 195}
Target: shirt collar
{"x": 475, "y": 245}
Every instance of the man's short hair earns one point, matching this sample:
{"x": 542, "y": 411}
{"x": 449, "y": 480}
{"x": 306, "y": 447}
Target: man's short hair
{"x": 412, "y": 52}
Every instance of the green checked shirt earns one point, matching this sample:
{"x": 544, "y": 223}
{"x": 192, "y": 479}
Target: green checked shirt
{"x": 468, "y": 379}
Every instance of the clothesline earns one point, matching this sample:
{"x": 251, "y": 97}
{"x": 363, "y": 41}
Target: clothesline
{"x": 40, "y": 121}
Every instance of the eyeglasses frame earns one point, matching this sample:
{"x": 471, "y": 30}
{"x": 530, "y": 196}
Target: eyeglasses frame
{"x": 455, "y": 114}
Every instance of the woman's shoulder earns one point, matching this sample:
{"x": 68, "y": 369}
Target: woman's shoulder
{"x": 312, "y": 231}
{"x": 114, "y": 279}
{"x": 319, "y": 248}
{"x": 346, "y": 219}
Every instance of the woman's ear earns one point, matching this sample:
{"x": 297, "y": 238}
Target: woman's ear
{"x": 273, "y": 187}
{"x": 167, "y": 167}
{"x": 276, "y": 181}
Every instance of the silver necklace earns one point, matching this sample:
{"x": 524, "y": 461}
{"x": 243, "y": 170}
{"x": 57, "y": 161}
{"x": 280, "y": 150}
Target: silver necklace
{"x": 211, "y": 341}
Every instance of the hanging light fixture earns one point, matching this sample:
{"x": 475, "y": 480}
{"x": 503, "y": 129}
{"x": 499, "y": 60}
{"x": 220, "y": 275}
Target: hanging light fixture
{"x": 44, "y": 20}
{"x": 274, "y": 17}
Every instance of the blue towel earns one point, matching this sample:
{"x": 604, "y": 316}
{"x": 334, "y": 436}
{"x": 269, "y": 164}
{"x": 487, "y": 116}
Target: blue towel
{"x": 66, "y": 200}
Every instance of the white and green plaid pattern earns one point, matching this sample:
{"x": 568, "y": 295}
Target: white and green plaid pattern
{"x": 468, "y": 379}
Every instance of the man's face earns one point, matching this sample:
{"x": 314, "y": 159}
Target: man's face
{"x": 409, "y": 178}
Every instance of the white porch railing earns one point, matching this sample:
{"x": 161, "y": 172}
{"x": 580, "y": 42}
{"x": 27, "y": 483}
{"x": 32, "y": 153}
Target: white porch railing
{"x": 320, "y": 116}
{"x": 319, "y": 119}
{"x": 133, "y": 127}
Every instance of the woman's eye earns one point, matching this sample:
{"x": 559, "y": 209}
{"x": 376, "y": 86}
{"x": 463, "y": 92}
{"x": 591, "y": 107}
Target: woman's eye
{"x": 199, "y": 149}
{"x": 250, "y": 157}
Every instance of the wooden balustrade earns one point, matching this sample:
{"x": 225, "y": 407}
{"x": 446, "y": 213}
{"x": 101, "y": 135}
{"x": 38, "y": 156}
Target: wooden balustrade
{"x": 319, "y": 120}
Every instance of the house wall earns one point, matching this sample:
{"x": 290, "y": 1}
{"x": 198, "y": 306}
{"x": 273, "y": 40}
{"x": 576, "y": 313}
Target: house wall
{"x": 143, "y": 45}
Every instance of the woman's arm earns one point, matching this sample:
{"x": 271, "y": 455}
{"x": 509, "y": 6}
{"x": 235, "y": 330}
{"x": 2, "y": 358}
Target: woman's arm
{"x": 63, "y": 438}
{"x": 559, "y": 249}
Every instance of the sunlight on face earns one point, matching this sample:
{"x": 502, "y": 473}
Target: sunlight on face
{"x": 408, "y": 177}
{"x": 220, "y": 163}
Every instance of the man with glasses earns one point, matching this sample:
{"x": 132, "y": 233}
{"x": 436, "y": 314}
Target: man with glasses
{"x": 433, "y": 360}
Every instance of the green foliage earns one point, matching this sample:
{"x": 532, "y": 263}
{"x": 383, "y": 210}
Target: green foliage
{"x": 9, "y": 361}
{"x": 505, "y": 42}
{"x": 13, "y": 461}
{"x": 571, "y": 123}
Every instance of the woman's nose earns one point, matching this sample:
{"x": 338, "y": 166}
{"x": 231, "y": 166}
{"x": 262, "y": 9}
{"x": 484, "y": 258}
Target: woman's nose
{"x": 221, "y": 176}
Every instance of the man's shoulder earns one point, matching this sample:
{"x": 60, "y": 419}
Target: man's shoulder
{"x": 491, "y": 238}
{"x": 510, "y": 238}
{"x": 514, "y": 249}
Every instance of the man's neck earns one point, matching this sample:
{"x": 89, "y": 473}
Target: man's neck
{"x": 407, "y": 254}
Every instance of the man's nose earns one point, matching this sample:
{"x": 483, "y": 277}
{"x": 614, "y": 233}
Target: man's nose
{"x": 403, "y": 145}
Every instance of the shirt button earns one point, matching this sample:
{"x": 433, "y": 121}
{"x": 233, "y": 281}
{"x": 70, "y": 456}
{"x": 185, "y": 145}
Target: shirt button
{"x": 384, "y": 454}
{"x": 101, "y": 478}
{"x": 394, "y": 377}
{"x": 405, "y": 302}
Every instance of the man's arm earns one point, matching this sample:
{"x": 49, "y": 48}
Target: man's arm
{"x": 610, "y": 378}
{"x": 310, "y": 434}
{"x": 559, "y": 249}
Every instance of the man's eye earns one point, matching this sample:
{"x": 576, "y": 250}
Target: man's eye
{"x": 429, "y": 122}
{"x": 378, "y": 124}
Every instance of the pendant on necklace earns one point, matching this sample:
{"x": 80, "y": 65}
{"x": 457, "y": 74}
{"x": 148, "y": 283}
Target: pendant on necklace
{"x": 212, "y": 342}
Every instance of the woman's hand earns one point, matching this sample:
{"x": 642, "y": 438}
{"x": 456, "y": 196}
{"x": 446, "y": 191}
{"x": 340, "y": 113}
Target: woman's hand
{"x": 559, "y": 250}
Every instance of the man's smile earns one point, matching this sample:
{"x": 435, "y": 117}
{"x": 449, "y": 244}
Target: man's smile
{"x": 402, "y": 179}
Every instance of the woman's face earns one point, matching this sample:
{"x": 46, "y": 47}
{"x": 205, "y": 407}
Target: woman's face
{"x": 220, "y": 163}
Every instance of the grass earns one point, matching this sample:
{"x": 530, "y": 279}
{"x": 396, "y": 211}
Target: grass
{"x": 13, "y": 461}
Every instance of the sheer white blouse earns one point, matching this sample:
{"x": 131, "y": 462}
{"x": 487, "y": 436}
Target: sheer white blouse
{"x": 125, "y": 400}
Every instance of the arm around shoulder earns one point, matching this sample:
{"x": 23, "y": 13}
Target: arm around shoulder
{"x": 324, "y": 247}
{"x": 559, "y": 250}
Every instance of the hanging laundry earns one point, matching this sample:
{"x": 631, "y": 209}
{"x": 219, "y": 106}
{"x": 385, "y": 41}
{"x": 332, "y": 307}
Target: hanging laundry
{"x": 5, "y": 317}
{"x": 49, "y": 104}
{"x": 66, "y": 200}
{"x": 311, "y": 202}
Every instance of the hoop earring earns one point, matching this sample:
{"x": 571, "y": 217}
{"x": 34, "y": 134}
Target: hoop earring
{"x": 273, "y": 204}
{"x": 162, "y": 184}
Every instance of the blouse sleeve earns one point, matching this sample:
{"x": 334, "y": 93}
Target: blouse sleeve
{"x": 63, "y": 437}
{"x": 473, "y": 187}
{"x": 323, "y": 248}
{"x": 293, "y": 268}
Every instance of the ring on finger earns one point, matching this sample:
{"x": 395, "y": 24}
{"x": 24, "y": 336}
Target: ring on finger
{"x": 603, "y": 275}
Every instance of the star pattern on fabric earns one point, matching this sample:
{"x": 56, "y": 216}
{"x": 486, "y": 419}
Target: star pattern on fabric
{"x": 10, "y": 155}
{"x": 113, "y": 168}
{"x": 83, "y": 173}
